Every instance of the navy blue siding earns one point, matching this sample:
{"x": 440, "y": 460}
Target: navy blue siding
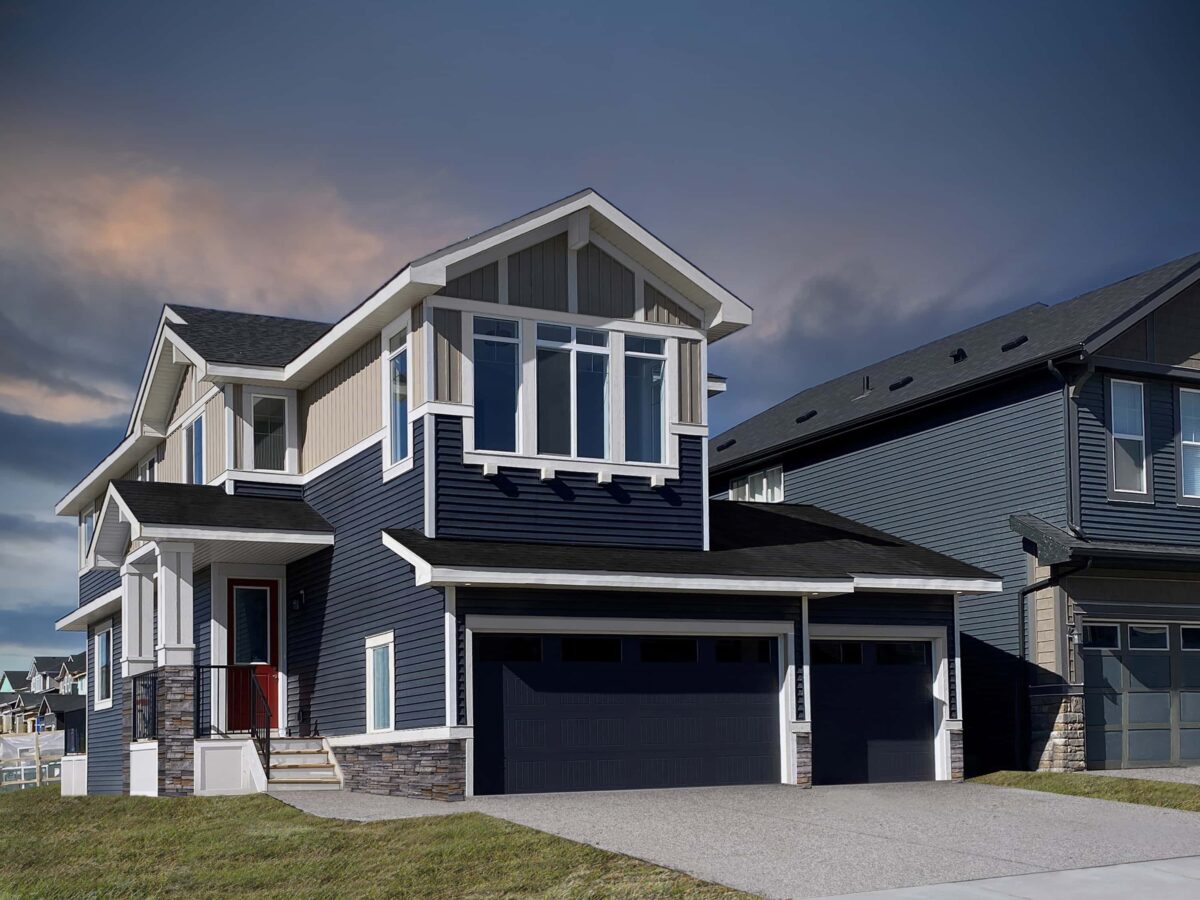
{"x": 201, "y": 616}
{"x": 359, "y": 588}
{"x": 573, "y": 508}
{"x": 105, "y": 748}
{"x": 96, "y": 582}
{"x": 268, "y": 489}
{"x": 1162, "y": 520}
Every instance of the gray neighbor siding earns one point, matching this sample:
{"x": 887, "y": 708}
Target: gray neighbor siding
{"x": 359, "y": 588}
{"x": 105, "y": 749}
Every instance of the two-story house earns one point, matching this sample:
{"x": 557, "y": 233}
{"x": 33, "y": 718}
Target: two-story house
{"x": 1058, "y": 446}
{"x": 460, "y": 542}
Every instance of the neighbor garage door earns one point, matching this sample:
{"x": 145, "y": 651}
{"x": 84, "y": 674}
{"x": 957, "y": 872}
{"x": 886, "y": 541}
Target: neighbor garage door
{"x": 602, "y": 712}
{"x": 872, "y": 711}
{"x": 1141, "y": 694}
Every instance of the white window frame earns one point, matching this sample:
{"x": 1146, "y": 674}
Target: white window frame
{"x": 1151, "y": 626}
{"x": 741, "y": 488}
{"x": 291, "y": 456}
{"x": 99, "y": 703}
{"x": 404, "y": 324}
{"x": 189, "y": 462}
{"x": 85, "y": 539}
{"x": 1114, "y": 435}
{"x": 146, "y": 470}
{"x": 669, "y": 398}
{"x": 573, "y": 348}
{"x": 388, "y": 639}
{"x": 526, "y": 405}
{"x": 253, "y": 400}
{"x": 1086, "y": 625}
{"x": 1182, "y": 444}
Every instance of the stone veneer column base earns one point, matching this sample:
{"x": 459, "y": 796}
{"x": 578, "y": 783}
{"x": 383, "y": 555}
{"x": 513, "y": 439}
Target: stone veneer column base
{"x": 804, "y": 759}
{"x": 176, "y": 730}
{"x": 429, "y": 770}
{"x": 1057, "y": 741}
{"x": 956, "y": 756}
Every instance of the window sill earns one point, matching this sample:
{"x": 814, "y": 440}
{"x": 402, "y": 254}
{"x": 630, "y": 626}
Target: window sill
{"x": 101, "y": 705}
{"x": 399, "y": 468}
{"x": 1132, "y": 499}
{"x": 570, "y": 465}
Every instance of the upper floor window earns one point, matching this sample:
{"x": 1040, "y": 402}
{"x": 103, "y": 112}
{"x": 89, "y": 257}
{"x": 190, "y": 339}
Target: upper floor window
{"x": 269, "y": 420}
{"x": 398, "y": 395}
{"x": 497, "y": 357}
{"x": 87, "y": 525}
{"x": 645, "y": 366}
{"x": 1189, "y": 442}
{"x": 759, "y": 487}
{"x": 572, "y": 391}
{"x": 194, "y": 462}
{"x": 1128, "y": 419}
{"x": 145, "y": 469}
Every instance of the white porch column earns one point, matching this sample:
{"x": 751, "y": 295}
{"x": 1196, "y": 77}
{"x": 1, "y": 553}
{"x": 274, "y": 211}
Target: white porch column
{"x": 175, "y": 646}
{"x": 137, "y": 617}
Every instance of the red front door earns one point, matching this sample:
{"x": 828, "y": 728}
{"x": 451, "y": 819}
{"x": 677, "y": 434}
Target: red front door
{"x": 253, "y": 652}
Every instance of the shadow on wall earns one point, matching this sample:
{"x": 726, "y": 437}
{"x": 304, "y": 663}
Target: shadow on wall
{"x": 305, "y": 632}
{"x": 993, "y": 707}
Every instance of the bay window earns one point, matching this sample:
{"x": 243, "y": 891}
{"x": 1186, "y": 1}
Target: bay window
{"x": 398, "y": 395}
{"x": 1189, "y": 442}
{"x": 497, "y": 364}
{"x": 645, "y": 365}
{"x": 1128, "y": 427}
{"x": 194, "y": 450}
{"x": 572, "y": 391}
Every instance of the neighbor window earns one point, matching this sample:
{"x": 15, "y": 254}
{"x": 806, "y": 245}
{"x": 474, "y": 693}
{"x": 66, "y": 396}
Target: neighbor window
{"x": 1128, "y": 437}
{"x": 87, "y": 526}
{"x": 572, "y": 391}
{"x": 1148, "y": 637}
{"x": 497, "y": 364}
{"x": 102, "y": 649}
{"x": 381, "y": 682}
{"x": 645, "y": 364}
{"x": 1102, "y": 637}
{"x": 398, "y": 395}
{"x": 270, "y": 433}
{"x": 194, "y": 463}
{"x": 1189, "y": 442}
{"x": 760, "y": 487}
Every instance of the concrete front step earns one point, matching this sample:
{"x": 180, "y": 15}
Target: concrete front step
{"x": 307, "y": 784}
{"x": 299, "y": 757}
{"x": 287, "y": 744}
{"x": 291, "y": 772}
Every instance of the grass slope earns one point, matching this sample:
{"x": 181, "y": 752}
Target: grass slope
{"x": 1167, "y": 794}
{"x": 51, "y": 846}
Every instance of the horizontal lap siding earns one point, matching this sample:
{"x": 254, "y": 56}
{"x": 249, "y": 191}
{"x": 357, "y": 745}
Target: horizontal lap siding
{"x": 359, "y": 588}
{"x": 269, "y": 490}
{"x": 572, "y": 509}
{"x": 202, "y": 615}
{"x": 105, "y": 747}
{"x": 97, "y": 582}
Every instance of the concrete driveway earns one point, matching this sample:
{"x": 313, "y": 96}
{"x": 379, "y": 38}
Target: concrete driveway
{"x": 780, "y": 841}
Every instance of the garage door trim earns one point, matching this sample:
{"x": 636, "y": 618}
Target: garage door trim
{"x": 784, "y": 631}
{"x": 936, "y": 635}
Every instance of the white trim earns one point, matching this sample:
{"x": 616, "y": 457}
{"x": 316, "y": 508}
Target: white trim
{"x": 1152, "y": 626}
{"x": 373, "y": 642}
{"x": 79, "y": 619}
{"x": 1114, "y": 436}
{"x": 430, "y": 476}
{"x": 958, "y": 672}
{"x": 192, "y": 412}
{"x": 927, "y": 585}
{"x": 806, "y": 654}
{"x": 704, "y": 495}
{"x": 220, "y": 533}
{"x": 401, "y": 324}
{"x": 450, "y": 655}
{"x": 400, "y": 736}
{"x": 99, "y": 704}
{"x": 1183, "y": 444}
{"x": 291, "y": 454}
{"x": 188, "y": 461}
{"x": 936, "y": 636}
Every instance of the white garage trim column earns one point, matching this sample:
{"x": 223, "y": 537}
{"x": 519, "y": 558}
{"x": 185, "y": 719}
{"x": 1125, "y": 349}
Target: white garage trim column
{"x": 942, "y": 723}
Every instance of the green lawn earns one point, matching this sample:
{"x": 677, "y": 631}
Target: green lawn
{"x": 52, "y": 846}
{"x": 1167, "y": 794}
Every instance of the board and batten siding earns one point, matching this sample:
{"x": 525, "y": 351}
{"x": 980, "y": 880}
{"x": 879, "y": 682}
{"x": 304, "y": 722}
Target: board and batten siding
{"x": 662, "y": 310}
{"x": 1163, "y": 520}
{"x": 517, "y": 505}
{"x": 105, "y": 746}
{"x": 1167, "y": 335}
{"x": 537, "y": 275}
{"x": 341, "y": 408}
{"x": 692, "y": 387}
{"x": 360, "y": 588}
{"x": 482, "y": 284}
{"x": 605, "y": 287}
{"x": 96, "y": 582}
{"x": 447, "y": 327}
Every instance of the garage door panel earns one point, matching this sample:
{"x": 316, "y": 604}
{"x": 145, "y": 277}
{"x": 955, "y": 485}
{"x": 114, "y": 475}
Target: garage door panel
{"x": 1189, "y": 670}
{"x": 1189, "y": 706}
{"x": 1103, "y": 708}
{"x": 1104, "y": 748}
{"x": 1103, "y": 670}
{"x": 1149, "y": 745}
{"x": 1189, "y": 744}
{"x": 1149, "y": 708}
{"x": 1149, "y": 673}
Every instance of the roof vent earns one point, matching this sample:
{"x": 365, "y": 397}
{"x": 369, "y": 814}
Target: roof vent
{"x": 804, "y": 417}
{"x": 726, "y": 445}
{"x": 1014, "y": 343}
{"x": 866, "y": 387}
{"x": 896, "y": 385}
{"x": 958, "y": 355}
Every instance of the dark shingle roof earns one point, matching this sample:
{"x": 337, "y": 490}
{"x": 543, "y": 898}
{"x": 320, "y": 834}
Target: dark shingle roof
{"x": 62, "y": 703}
{"x": 162, "y": 503}
{"x": 931, "y": 370}
{"x": 248, "y": 339}
{"x": 50, "y": 665}
{"x": 7, "y": 698}
{"x": 747, "y": 539}
{"x": 19, "y": 680}
{"x": 1056, "y": 545}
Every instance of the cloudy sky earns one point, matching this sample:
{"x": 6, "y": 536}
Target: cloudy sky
{"x": 867, "y": 175}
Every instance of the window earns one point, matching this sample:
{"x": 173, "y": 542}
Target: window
{"x": 591, "y": 649}
{"x": 102, "y": 649}
{"x": 145, "y": 470}
{"x": 194, "y": 438}
{"x": 87, "y": 527}
{"x": 645, "y": 363}
{"x": 1128, "y": 423}
{"x": 669, "y": 650}
{"x": 760, "y": 487}
{"x": 1189, "y": 442}
{"x": 251, "y": 625}
{"x": 572, "y": 391}
{"x": 398, "y": 395}
{"x": 1102, "y": 637}
{"x": 1189, "y": 637}
{"x": 836, "y": 653}
{"x": 381, "y": 683}
{"x": 508, "y": 648}
{"x": 269, "y": 421}
{"x": 497, "y": 383}
{"x": 743, "y": 650}
{"x": 1148, "y": 637}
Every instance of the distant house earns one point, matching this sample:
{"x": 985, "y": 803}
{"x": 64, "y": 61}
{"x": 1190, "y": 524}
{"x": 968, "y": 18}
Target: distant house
{"x": 67, "y": 713}
{"x": 72, "y": 677}
{"x": 8, "y": 700}
{"x": 44, "y": 672}
{"x": 13, "y": 681}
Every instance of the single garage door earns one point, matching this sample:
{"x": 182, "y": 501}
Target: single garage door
{"x": 872, "y": 711}
{"x": 1141, "y": 694}
{"x": 604, "y": 712}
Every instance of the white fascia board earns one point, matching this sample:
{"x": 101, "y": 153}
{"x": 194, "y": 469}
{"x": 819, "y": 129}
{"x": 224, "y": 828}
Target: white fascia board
{"x": 623, "y": 581}
{"x": 421, "y": 568}
{"x": 79, "y": 619}
{"x": 715, "y": 386}
{"x": 168, "y": 316}
{"x": 132, "y": 448}
{"x": 928, "y": 585}
{"x": 214, "y": 533}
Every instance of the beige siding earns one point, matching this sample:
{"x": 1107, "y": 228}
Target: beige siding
{"x": 447, "y": 355}
{"x": 214, "y": 436}
{"x": 416, "y": 365}
{"x": 665, "y": 311}
{"x": 691, "y": 384}
{"x": 342, "y": 407}
{"x": 1131, "y": 344}
{"x": 186, "y": 395}
{"x": 170, "y": 467}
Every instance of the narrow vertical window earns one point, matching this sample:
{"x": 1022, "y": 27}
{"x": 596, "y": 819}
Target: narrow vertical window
{"x": 381, "y": 682}
{"x": 87, "y": 526}
{"x": 398, "y": 393}
{"x": 270, "y": 433}
{"x": 554, "y": 389}
{"x": 572, "y": 391}
{"x": 146, "y": 469}
{"x": 1189, "y": 442}
{"x": 1128, "y": 437}
{"x": 497, "y": 367}
{"x": 644, "y": 366}
{"x": 759, "y": 487}
{"x": 194, "y": 437}
{"x": 591, "y": 394}
{"x": 103, "y": 654}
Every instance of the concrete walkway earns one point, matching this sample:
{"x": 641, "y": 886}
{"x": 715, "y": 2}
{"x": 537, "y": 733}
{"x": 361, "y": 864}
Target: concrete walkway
{"x": 780, "y": 841}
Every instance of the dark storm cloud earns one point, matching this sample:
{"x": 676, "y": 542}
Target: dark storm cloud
{"x": 27, "y": 528}
{"x": 52, "y": 451}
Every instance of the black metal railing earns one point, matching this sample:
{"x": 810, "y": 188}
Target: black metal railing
{"x": 145, "y": 706}
{"x": 236, "y": 700}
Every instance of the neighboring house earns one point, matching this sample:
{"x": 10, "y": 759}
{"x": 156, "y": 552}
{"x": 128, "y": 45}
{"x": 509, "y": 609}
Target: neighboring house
{"x": 1058, "y": 446}
{"x": 44, "y": 673}
{"x": 72, "y": 676}
{"x": 460, "y": 539}
{"x": 8, "y": 701}
{"x": 64, "y": 712}
{"x": 13, "y": 681}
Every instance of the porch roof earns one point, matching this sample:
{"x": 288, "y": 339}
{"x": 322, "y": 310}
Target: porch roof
{"x": 1057, "y": 545}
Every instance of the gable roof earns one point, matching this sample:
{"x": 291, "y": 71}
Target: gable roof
{"x": 19, "y": 681}
{"x": 63, "y": 703}
{"x": 1019, "y": 340}
{"x": 239, "y": 338}
{"x": 49, "y": 665}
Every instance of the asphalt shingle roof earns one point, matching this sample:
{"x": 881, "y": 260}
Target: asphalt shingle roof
{"x": 19, "y": 680}
{"x": 163, "y": 503}
{"x": 237, "y": 338}
{"x": 1056, "y": 545}
{"x": 50, "y": 665}
{"x": 931, "y": 370}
